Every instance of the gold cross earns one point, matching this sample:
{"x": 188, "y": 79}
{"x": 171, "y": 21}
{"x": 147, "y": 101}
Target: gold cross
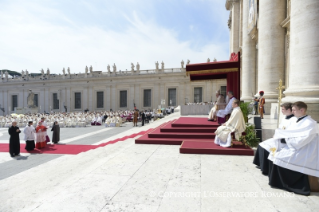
{"x": 280, "y": 88}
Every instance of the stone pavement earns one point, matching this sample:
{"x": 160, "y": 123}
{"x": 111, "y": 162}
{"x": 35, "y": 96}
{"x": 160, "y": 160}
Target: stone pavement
{"x": 134, "y": 177}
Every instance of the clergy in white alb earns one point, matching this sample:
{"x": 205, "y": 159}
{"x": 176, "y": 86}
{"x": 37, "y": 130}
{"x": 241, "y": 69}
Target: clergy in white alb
{"x": 262, "y": 156}
{"x": 220, "y": 100}
{"x": 300, "y": 158}
{"x": 302, "y": 151}
{"x": 236, "y": 124}
{"x": 222, "y": 113}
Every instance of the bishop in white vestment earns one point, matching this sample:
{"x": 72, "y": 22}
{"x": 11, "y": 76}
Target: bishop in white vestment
{"x": 236, "y": 123}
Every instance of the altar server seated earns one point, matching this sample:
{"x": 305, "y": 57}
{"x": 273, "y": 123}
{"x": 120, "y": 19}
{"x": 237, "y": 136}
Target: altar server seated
{"x": 221, "y": 114}
{"x": 220, "y": 100}
{"x": 264, "y": 148}
{"x": 236, "y": 123}
{"x": 300, "y": 158}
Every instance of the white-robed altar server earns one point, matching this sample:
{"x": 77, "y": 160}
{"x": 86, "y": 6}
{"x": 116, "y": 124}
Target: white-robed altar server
{"x": 29, "y": 136}
{"x": 300, "y": 157}
{"x": 236, "y": 124}
{"x": 221, "y": 114}
{"x": 220, "y": 100}
{"x": 262, "y": 157}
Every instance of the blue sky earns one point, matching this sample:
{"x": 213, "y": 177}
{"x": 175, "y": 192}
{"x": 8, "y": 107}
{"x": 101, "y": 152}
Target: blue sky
{"x": 55, "y": 34}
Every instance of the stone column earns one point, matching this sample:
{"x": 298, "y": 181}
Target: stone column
{"x": 235, "y": 17}
{"x": 304, "y": 46}
{"x": 248, "y": 70}
{"x": 271, "y": 49}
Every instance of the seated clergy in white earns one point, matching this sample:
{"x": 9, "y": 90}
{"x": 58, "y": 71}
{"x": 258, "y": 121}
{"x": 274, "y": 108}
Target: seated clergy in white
{"x": 300, "y": 158}
{"x": 236, "y": 123}
{"x": 221, "y": 114}
{"x": 220, "y": 100}
{"x": 264, "y": 148}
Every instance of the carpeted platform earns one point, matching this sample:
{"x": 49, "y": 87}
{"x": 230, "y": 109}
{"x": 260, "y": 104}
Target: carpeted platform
{"x": 195, "y": 135}
{"x": 71, "y": 149}
{"x": 202, "y": 147}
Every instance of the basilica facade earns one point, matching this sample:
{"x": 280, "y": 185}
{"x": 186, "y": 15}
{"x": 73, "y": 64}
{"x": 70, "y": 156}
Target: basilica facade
{"x": 100, "y": 91}
{"x": 277, "y": 40}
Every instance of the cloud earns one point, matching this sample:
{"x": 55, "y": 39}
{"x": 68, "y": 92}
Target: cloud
{"x": 41, "y": 36}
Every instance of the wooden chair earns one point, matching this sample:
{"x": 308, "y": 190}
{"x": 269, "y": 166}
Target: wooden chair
{"x": 235, "y": 142}
{"x": 314, "y": 183}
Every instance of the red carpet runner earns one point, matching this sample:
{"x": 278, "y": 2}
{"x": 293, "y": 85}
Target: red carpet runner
{"x": 195, "y": 135}
{"x": 71, "y": 149}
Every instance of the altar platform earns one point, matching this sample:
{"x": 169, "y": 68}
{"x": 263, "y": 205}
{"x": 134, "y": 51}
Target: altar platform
{"x": 195, "y": 135}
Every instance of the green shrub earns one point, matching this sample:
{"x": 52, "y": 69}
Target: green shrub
{"x": 244, "y": 106}
{"x": 250, "y": 138}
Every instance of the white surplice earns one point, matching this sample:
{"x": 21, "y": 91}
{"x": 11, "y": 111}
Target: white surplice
{"x": 236, "y": 123}
{"x": 275, "y": 143}
{"x": 302, "y": 151}
{"x": 227, "y": 110}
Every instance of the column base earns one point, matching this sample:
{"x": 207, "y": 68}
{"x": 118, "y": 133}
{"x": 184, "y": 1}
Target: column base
{"x": 312, "y": 103}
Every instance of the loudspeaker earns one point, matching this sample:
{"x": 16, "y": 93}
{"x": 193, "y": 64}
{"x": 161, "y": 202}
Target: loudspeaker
{"x": 257, "y": 122}
{"x": 259, "y": 134}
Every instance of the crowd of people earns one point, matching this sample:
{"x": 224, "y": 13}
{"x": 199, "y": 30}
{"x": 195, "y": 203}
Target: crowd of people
{"x": 36, "y": 125}
{"x": 81, "y": 119}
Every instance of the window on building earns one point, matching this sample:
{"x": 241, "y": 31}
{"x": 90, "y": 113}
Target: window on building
{"x": 123, "y": 98}
{"x": 172, "y": 97}
{"x": 99, "y": 99}
{"x": 14, "y": 101}
{"x": 55, "y": 101}
{"x": 223, "y": 90}
{"x": 147, "y": 98}
{"x": 77, "y": 100}
{"x": 198, "y": 94}
{"x": 36, "y": 101}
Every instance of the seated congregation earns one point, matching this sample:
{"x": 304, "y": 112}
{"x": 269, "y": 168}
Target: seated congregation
{"x": 291, "y": 158}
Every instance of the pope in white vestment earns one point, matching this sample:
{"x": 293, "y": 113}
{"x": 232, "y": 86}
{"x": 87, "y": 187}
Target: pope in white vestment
{"x": 227, "y": 110}
{"x": 302, "y": 151}
{"x": 236, "y": 123}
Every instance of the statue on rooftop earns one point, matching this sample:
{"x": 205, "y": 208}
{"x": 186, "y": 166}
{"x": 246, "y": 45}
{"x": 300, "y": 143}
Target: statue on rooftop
{"x": 86, "y": 70}
{"x": 69, "y": 72}
{"x": 48, "y": 72}
{"x": 132, "y": 67}
{"x": 215, "y": 59}
{"x": 156, "y": 65}
{"x": 91, "y": 69}
{"x": 208, "y": 60}
{"x": 162, "y": 66}
{"x": 182, "y": 63}
{"x": 22, "y": 73}
{"x": 42, "y": 72}
{"x": 114, "y": 68}
{"x": 108, "y": 68}
{"x": 6, "y": 75}
{"x": 138, "y": 66}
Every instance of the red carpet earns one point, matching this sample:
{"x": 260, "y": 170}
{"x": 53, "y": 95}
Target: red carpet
{"x": 71, "y": 149}
{"x": 195, "y": 135}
